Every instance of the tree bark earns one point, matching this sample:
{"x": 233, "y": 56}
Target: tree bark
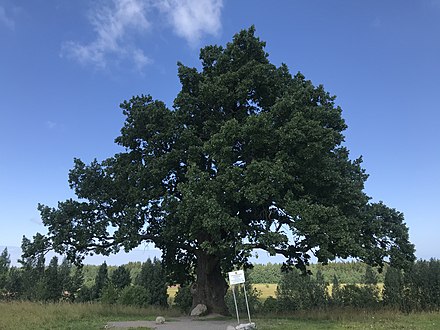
{"x": 210, "y": 286}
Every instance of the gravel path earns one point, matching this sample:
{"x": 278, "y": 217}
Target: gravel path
{"x": 182, "y": 323}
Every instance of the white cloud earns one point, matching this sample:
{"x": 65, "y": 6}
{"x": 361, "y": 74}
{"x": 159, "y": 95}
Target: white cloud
{"x": 50, "y": 124}
{"x": 140, "y": 59}
{"x": 5, "y": 20}
{"x": 112, "y": 25}
{"x": 192, "y": 18}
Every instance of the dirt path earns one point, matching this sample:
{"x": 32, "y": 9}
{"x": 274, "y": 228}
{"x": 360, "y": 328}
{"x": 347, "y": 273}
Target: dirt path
{"x": 182, "y": 323}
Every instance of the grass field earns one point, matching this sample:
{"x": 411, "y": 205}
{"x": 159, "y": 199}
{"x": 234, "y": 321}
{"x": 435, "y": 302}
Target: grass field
{"x": 26, "y": 315}
{"x": 37, "y": 316}
{"x": 353, "y": 319}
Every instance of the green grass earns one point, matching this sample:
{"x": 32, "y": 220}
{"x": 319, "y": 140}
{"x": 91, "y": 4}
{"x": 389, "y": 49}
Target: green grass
{"x": 350, "y": 319}
{"x": 27, "y": 315}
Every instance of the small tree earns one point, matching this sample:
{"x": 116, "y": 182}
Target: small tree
{"x": 120, "y": 278}
{"x": 336, "y": 298}
{"x": 252, "y": 295}
{"x": 152, "y": 277}
{"x": 135, "y": 295}
{"x": 32, "y": 269}
{"x": 298, "y": 291}
{"x": 14, "y": 284}
{"x": 71, "y": 279}
{"x": 392, "y": 289}
{"x": 370, "y": 277}
{"x": 5, "y": 262}
{"x": 101, "y": 281}
{"x": 52, "y": 283}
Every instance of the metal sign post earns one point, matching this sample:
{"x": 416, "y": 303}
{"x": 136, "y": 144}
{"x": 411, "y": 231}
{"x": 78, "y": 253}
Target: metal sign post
{"x": 235, "y": 302}
{"x": 237, "y": 278}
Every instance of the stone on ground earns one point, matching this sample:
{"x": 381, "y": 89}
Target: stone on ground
{"x": 160, "y": 320}
{"x": 199, "y": 310}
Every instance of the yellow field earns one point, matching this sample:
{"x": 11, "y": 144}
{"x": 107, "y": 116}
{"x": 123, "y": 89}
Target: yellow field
{"x": 266, "y": 290}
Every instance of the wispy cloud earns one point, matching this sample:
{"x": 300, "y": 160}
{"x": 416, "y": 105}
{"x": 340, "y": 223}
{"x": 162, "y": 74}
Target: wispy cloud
{"x": 193, "y": 18}
{"x": 5, "y": 19}
{"x": 50, "y": 124}
{"x": 376, "y": 23}
{"x": 111, "y": 25}
{"x": 115, "y": 24}
{"x": 140, "y": 59}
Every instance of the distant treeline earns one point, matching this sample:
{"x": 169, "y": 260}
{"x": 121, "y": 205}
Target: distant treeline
{"x": 65, "y": 282}
{"x": 351, "y": 284}
{"x": 347, "y": 272}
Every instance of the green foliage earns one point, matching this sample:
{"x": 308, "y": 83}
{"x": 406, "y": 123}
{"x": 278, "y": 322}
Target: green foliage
{"x": 14, "y": 284}
{"x": 248, "y": 157}
{"x": 298, "y": 291}
{"x": 183, "y": 299}
{"x": 120, "y": 277}
{"x": 252, "y": 297}
{"x": 5, "y": 263}
{"x": 110, "y": 294}
{"x": 421, "y": 287}
{"x": 267, "y": 273}
{"x": 85, "y": 294}
{"x": 370, "y": 276}
{"x": 32, "y": 276}
{"x": 152, "y": 278}
{"x": 336, "y": 296}
{"x": 101, "y": 281}
{"x": 393, "y": 288}
{"x": 270, "y": 305}
{"x": 136, "y": 295}
{"x": 352, "y": 295}
{"x": 52, "y": 282}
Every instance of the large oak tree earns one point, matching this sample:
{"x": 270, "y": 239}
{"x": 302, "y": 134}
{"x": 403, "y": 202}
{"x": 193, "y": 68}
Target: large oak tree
{"x": 248, "y": 157}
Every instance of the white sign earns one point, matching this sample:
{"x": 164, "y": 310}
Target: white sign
{"x": 236, "y": 277}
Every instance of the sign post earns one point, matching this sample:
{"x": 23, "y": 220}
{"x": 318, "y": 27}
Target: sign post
{"x": 236, "y": 278}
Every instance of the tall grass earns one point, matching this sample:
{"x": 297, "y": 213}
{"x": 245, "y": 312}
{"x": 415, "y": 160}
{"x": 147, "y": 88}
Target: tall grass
{"x": 350, "y": 319}
{"x": 36, "y": 316}
{"x": 28, "y": 315}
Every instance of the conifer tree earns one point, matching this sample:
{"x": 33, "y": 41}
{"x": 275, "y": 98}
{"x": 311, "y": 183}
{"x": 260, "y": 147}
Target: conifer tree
{"x": 101, "y": 281}
{"x": 392, "y": 289}
{"x": 5, "y": 262}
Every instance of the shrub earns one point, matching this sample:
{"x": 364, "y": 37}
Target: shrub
{"x": 392, "y": 290}
{"x": 183, "y": 299}
{"x": 110, "y": 294}
{"x": 85, "y": 294}
{"x": 135, "y": 296}
{"x": 359, "y": 296}
{"x": 270, "y": 305}
{"x": 152, "y": 278}
{"x": 252, "y": 297}
{"x": 297, "y": 291}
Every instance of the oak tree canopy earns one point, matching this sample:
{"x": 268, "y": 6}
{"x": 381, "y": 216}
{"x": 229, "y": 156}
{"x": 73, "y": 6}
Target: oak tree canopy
{"x": 248, "y": 157}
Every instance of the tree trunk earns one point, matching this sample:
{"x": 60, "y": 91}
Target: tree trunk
{"x": 210, "y": 286}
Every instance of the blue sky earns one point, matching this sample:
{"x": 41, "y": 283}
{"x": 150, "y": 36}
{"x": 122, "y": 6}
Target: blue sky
{"x": 65, "y": 66}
